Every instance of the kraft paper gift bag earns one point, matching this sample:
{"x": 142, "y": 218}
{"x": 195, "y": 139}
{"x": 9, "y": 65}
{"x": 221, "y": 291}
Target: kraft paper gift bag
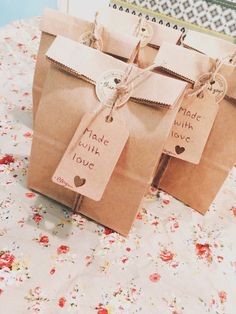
{"x": 197, "y": 184}
{"x": 78, "y": 81}
{"x": 56, "y": 23}
{"x": 151, "y": 34}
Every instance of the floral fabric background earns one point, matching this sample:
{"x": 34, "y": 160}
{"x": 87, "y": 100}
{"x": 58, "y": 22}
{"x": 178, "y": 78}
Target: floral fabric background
{"x": 174, "y": 261}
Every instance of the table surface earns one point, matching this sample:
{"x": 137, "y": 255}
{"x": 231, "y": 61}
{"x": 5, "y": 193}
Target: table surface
{"x": 174, "y": 261}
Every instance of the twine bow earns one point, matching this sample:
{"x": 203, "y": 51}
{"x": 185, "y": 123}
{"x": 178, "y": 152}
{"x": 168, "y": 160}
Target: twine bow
{"x": 123, "y": 87}
{"x": 209, "y": 79}
{"x": 96, "y": 38}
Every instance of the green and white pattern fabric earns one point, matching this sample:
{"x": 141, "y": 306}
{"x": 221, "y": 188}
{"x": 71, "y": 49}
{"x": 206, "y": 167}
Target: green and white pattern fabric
{"x": 217, "y": 17}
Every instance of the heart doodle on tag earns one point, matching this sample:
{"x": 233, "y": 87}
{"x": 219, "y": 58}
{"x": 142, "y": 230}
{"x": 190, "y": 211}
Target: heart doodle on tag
{"x": 78, "y": 181}
{"x": 179, "y": 150}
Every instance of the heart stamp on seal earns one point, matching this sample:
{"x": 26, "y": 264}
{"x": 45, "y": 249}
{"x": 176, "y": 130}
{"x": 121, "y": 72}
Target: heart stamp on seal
{"x": 144, "y": 33}
{"x": 106, "y": 88}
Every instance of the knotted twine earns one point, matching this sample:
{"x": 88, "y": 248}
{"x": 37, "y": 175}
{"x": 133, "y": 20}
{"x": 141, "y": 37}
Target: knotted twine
{"x": 96, "y": 38}
{"x": 200, "y": 88}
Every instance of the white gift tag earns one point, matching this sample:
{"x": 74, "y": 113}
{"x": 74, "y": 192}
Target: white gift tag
{"x": 195, "y": 120}
{"x": 92, "y": 154}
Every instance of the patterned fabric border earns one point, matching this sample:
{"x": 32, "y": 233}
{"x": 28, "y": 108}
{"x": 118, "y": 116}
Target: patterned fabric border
{"x": 215, "y": 17}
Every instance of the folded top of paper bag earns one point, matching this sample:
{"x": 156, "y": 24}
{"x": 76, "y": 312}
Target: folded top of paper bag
{"x": 114, "y": 43}
{"x": 154, "y": 33}
{"x": 90, "y": 64}
{"x": 212, "y": 46}
{"x": 190, "y": 65}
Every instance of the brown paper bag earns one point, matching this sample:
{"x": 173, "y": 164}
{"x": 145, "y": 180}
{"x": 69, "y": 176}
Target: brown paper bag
{"x": 152, "y": 34}
{"x": 68, "y": 94}
{"x": 56, "y": 23}
{"x": 197, "y": 185}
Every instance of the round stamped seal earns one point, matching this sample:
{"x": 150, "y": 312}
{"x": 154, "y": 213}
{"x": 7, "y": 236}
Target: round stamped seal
{"x": 106, "y": 88}
{"x": 145, "y": 33}
{"x": 217, "y": 87}
{"x": 86, "y": 39}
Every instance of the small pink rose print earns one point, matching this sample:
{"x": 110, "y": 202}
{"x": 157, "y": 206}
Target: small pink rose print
{"x": 44, "y": 240}
{"x": 37, "y": 218}
{"x": 139, "y": 216}
{"x": 203, "y": 250}
{"x": 52, "y": 271}
{"x": 7, "y": 160}
{"x": 28, "y": 135}
{"x": 6, "y": 259}
{"x": 234, "y": 211}
{"x": 62, "y": 302}
{"x": 166, "y": 202}
{"x": 166, "y": 256}
{"x": 175, "y": 264}
{"x": 63, "y": 249}
{"x": 30, "y": 195}
{"x": 155, "y": 277}
{"x": 102, "y": 311}
{"x": 124, "y": 260}
{"x": 223, "y": 296}
{"x": 108, "y": 231}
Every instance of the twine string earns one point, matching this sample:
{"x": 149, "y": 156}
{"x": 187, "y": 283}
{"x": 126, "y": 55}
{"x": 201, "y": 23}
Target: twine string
{"x": 210, "y": 79}
{"x": 141, "y": 23}
{"x": 96, "y": 38}
{"x": 123, "y": 87}
{"x": 211, "y": 76}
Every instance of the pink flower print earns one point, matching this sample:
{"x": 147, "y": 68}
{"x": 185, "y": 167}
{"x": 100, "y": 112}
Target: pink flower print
{"x": 223, "y": 296}
{"x": 63, "y": 249}
{"x": 62, "y": 302}
{"x": 44, "y": 241}
{"x": 203, "y": 251}
{"x": 154, "y": 277}
{"x": 6, "y": 259}
{"x": 7, "y": 160}
{"x": 166, "y": 256}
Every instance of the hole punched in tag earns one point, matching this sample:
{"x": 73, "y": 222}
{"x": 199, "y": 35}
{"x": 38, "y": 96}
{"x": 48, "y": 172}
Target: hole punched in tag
{"x": 109, "y": 119}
